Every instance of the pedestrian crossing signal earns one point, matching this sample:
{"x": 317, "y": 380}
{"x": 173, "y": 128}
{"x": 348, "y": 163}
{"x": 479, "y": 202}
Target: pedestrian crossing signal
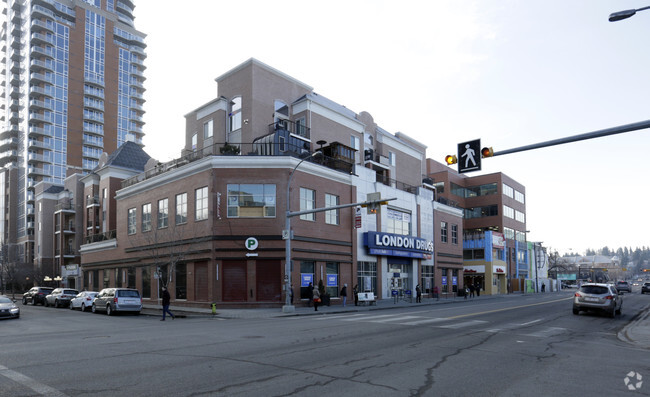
{"x": 451, "y": 159}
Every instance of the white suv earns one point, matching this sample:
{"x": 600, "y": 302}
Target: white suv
{"x": 113, "y": 300}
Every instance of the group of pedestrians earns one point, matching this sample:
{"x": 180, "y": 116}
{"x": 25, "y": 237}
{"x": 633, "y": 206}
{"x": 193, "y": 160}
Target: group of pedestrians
{"x": 470, "y": 289}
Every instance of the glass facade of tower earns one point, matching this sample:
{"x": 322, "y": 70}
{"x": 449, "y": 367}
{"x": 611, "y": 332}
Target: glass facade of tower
{"x": 61, "y": 107}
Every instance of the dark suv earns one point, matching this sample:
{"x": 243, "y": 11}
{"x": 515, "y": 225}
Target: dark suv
{"x": 623, "y": 286}
{"x": 36, "y": 295}
{"x": 113, "y": 300}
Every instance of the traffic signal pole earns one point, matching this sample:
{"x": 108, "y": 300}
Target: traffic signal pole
{"x": 589, "y": 135}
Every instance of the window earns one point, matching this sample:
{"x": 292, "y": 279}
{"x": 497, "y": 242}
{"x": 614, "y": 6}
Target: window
{"x": 454, "y": 234}
{"x": 332, "y": 284}
{"x": 131, "y": 221}
{"x": 201, "y": 204}
{"x": 331, "y": 217}
{"x": 307, "y": 202}
{"x": 146, "y": 282}
{"x": 195, "y": 141}
{"x": 398, "y": 222}
{"x": 508, "y": 191}
{"x": 391, "y": 158}
{"x": 251, "y": 200}
{"x": 520, "y": 216}
{"x": 181, "y": 281}
{"x": 163, "y": 213}
{"x": 146, "y": 217}
{"x": 301, "y": 127}
{"x": 519, "y": 196}
{"x": 480, "y": 212}
{"x": 235, "y": 114}
{"x": 306, "y": 276}
{"x": 473, "y": 191}
{"x": 181, "y": 208}
{"x": 443, "y": 231}
{"x": 508, "y": 212}
{"x": 207, "y": 129}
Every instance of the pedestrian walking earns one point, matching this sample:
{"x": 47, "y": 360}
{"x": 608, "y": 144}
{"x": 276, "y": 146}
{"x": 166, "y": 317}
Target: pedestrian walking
{"x": 316, "y": 295}
{"x": 478, "y": 289}
{"x": 436, "y": 293}
{"x": 165, "y": 303}
{"x": 418, "y": 294}
{"x": 355, "y": 291}
{"x": 344, "y": 293}
{"x": 471, "y": 291}
{"x": 543, "y": 287}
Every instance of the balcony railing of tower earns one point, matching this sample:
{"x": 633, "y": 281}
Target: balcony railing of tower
{"x": 96, "y": 238}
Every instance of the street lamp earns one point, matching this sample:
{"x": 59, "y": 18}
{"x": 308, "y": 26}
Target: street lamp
{"x": 287, "y": 235}
{"x": 617, "y": 16}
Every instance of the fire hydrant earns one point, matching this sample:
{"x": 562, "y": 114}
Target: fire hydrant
{"x": 214, "y": 308}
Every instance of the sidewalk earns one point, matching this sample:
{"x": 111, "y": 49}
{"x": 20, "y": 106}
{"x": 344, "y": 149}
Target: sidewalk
{"x": 636, "y": 332}
{"x": 301, "y": 308}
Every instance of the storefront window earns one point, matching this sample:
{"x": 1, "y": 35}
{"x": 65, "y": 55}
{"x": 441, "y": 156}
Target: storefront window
{"x": 367, "y": 276}
{"x": 131, "y": 277}
{"x": 306, "y": 277}
{"x": 332, "y": 285}
{"x": 427, "y": 278}
{"x": 181, "y": 281}
{"x": 146, "y": 282}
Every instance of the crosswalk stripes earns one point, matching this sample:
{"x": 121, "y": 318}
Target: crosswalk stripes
{"x": 444, "y": 323}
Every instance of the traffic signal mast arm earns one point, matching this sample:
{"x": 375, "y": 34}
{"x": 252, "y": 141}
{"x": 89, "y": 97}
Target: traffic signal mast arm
{"x": 589, "y": 135}
{"x": 336, "y": 207}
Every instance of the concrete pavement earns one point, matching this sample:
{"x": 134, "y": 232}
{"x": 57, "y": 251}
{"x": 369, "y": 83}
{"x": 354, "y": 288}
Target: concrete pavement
{"x": 637, "y": 332}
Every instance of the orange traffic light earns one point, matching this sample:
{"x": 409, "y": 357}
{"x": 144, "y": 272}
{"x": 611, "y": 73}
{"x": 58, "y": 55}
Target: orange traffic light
{"x": 451, "y": 159}
{"x": 487, "y": 152}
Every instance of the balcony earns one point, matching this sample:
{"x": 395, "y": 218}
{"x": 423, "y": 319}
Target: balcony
{"x": 96, "y": 238}
{"x": 39, "y": 38}
{"x": 38, "y": 65}
{"x": 37, "y": 105}
{"x": 38, "y": 25}
{"x": 43, "y": 51}
{"x": 39, "y": 131}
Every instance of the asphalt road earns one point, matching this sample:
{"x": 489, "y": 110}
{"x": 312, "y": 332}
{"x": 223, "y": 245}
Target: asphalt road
{"x": 524, "y": 346}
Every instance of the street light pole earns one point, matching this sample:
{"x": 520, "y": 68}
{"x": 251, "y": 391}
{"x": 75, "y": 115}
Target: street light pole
{"x": 288, "y": 307}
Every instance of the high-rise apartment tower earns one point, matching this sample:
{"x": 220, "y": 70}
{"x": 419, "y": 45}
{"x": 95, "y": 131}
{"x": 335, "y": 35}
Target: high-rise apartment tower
{"x": 72, "y": 74}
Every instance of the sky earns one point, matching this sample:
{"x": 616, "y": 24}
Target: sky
{"x": 508, "y": 72}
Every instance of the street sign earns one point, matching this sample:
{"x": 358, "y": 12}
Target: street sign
{"x": 469, "y": 156}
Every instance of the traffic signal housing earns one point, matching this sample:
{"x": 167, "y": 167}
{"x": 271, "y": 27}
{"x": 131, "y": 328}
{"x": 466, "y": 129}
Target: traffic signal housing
{"x": 451, "y": 159}
{"x": 487, "y": 152}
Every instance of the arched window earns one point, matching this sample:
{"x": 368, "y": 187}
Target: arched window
{"x": 235, "y": 114}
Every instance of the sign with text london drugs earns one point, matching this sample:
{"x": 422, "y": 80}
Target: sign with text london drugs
{"x": 389, "y": 244}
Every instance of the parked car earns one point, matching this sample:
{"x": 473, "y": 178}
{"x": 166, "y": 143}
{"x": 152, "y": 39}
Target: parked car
{"x": 83, "y": 300}
{"x": 598, "y": 297}
{"x": 645, "y": 288}
{"x": 623, "y": 286}
{"x": 36, "y": 295}
{"x": 60, "y": 297}
{"x": 113, "y": 300}
{"x": 8, "y": 308}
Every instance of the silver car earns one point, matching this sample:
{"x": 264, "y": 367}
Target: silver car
{"x": 598, "y": 297}
{"x": 113, "y": 300}
{"x": 83, "y": 301}
{"x": 60, "y": 297}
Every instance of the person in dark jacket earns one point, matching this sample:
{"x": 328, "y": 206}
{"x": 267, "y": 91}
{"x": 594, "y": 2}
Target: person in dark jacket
{"x": 355, "y": 291}
{"x": 344, "y": 293}
{"x": 165, "y": 303}
{"x": 310, "y": 294}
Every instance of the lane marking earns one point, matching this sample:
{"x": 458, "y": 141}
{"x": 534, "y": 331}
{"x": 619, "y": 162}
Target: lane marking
{"x": 368, "y": 318}
{"x": 463, "y": 324}
{"x": 386, "y": 320}
{"x": 531, "y": 322}
{"x": 39, "y": 388}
